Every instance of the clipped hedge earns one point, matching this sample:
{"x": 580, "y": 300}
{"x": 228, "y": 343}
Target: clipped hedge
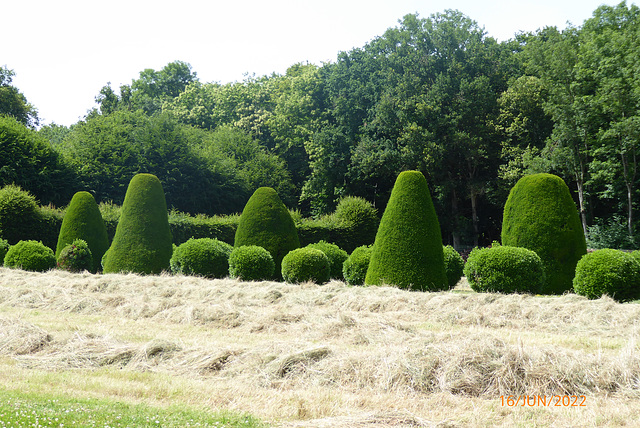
{"x": 306, "y": 264}
{"x": 614, "y": 273}
{"x": 76, "y": 257}
{"x": 453, "y": 265}
{"x": 142, "y": 243}
{"x": 354, "y": 269}
{"x": 203, "y": 257}
{"x": 540, "y": 215}
{"x": 251, "y": 263}
{"x": 4, "y": 247}
{"x": 30, "y": 255}
{"x": 20, "y": 218}
{"x": 504, "y": 269}
{"x": 336, "y": 257}
{"x": 408, "y": 247}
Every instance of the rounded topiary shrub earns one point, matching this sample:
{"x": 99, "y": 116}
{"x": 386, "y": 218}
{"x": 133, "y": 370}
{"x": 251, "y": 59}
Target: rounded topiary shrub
{"x": 608, "y": 272}
{"x": 266, "y": 222}
{"x": 251, "y": 263}
{"x": 355, "y": 267}
{"x": 83, "y": 220}
{"x": 30, "y": 255}
{"x": 504, "y": 269}
{"x": 360, "y": 220}
{"x": 142, "y": 242}
{"x": 408, "y": 248}
{"x": 205, "y": 257}
{"x": 335, "y": 255}
{"x": 4, "y": 247}
{"x": 76, "y": 257}
{"x": 540, "y": 215}
{"x": 453, "y": 265}
{"x": 306, "y": 264}
{"x": 19, "y": 215}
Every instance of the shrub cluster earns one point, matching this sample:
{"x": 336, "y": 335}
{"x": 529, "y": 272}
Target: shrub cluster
{"x": 306, "y": 264}
{"x": 504, "y": 269}
{"x": 453, "y": 265}
{"x": 76, "y": 257}
{"x": 608, "y": 272}
{"x": 355, "y": 267}
{"x": 30, "y": 255}
{"x": 203, "y": 257}
{"x": 4, "y": 247}
{"x": 251, "y": 263}
{"x": 335, "y": 255}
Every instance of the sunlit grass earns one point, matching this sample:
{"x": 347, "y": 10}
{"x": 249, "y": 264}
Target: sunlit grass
{"x": 35, "y": 410}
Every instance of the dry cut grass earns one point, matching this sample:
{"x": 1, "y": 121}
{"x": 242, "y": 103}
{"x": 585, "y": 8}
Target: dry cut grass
{"x": 321, "y": 356}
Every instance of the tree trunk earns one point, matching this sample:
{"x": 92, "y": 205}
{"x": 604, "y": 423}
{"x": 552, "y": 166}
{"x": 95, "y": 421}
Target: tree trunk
{"x": 474, "y": 217}
{"x": 455, "y": 233}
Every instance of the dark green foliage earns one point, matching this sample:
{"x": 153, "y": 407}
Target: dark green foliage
{"x": 19, "y": 215}
{"x": 355, "y": 267}
{"x": 76, "y": 257}
{"x": 251, "y": 263}
{"x": 611, "y": 233}
{"x": 184, "y": 226}
{"x": 335, "y": 255}
{"x": 30, "y": 255}
{"x": 614, "y": 273}
{"x": 202, "y": 257}
{"x": 504, "y": 269}
{"x": 306, "y": 264}
{"x": 540, "y": 215}
{"x": 83, "y": 220}
{"x": 4, "y": 247}
{"x": 359, "y": 219}
{"x": 266, "y": 222}
{"x": 142, "y": 243}
{"x": 49, "y": 225}
{"x": 453, "y": 265}
{"x": 408, "y": 248}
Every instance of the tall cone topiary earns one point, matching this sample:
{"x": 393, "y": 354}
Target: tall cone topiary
{"x": 266, "y": 222}
{"x": 540, "y": 215}
{"x": 83, "y": 220}
{"x": 142, "y": 243}
{"x": 408, "y": 248}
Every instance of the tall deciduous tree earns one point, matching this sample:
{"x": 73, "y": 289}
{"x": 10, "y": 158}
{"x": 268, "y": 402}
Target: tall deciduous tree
{"x": 13, "y": 103}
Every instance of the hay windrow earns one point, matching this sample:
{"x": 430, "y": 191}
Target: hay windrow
{"x": 263, "y": 340}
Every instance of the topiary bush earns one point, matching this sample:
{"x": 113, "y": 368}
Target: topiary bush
{"x": 359, "y": 219}
{"x": 408, "y": 248}
{"x": 335, "y": 255}
{"x": 203, "y": 257}
{"x": 306, "y": 264}
{"x": 142, "y": 242}
{"x": 30, "y": 255}
{"x": 355, "y": 267}
{"x": 540, "y": 215}
{"x": 19, "y": 215}
{"x": 266, "y": 222}
{"x": 251, "y": 263}
{"x": 453, "y": 265}
{"x": 504, "y": 269}
{"x": 76, "y": 257}
{"x": 83, "y": 220}
{"x": 4, "y": 247}
{"x": 614, "y": 273}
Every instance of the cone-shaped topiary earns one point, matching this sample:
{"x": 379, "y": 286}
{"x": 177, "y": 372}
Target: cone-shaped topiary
{"x": 142, "y": 243}
{"x": 540, "y": 215}
{"x": 408, "y": 248}
{"x": 266, "y": 222}
{"x": 84, "y": 221}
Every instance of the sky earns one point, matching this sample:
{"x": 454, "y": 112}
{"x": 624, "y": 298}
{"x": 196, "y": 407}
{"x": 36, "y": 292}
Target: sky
{"x": 63, "y": 52}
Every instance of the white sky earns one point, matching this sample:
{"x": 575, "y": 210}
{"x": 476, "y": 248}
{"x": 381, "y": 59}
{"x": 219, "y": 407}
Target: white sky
{"x": 64, "y": 51}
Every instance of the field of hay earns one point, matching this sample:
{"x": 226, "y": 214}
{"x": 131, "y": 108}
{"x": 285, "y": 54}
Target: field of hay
{"x": 322, "y": 356}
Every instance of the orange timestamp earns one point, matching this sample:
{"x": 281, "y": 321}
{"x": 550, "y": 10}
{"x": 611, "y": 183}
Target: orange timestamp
{"x": 543, "y": 400}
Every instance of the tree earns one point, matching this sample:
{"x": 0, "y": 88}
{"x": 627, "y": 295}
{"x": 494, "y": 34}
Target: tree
{"x": 13, "y": 103}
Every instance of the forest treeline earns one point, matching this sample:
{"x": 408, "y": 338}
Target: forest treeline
{"x": 432, "y": 94}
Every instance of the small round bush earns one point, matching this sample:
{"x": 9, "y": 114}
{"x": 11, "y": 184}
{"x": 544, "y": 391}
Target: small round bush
{"x": 19, "y": 214}
{"x": 335, "y": 255}
{"x": 453, "y": 265}
{"x": 355, "y": 267}
{"x": 30, "y": 255}
{"x": 76, "y": 257}
{"x": 4, "y": 247}
{"x": 251, "y": 263}
{"x": 611, "y": 272}
{"x": 306, "y": 264}
{"x": 205, "y": 257}
{"x": 504, "y": 269}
